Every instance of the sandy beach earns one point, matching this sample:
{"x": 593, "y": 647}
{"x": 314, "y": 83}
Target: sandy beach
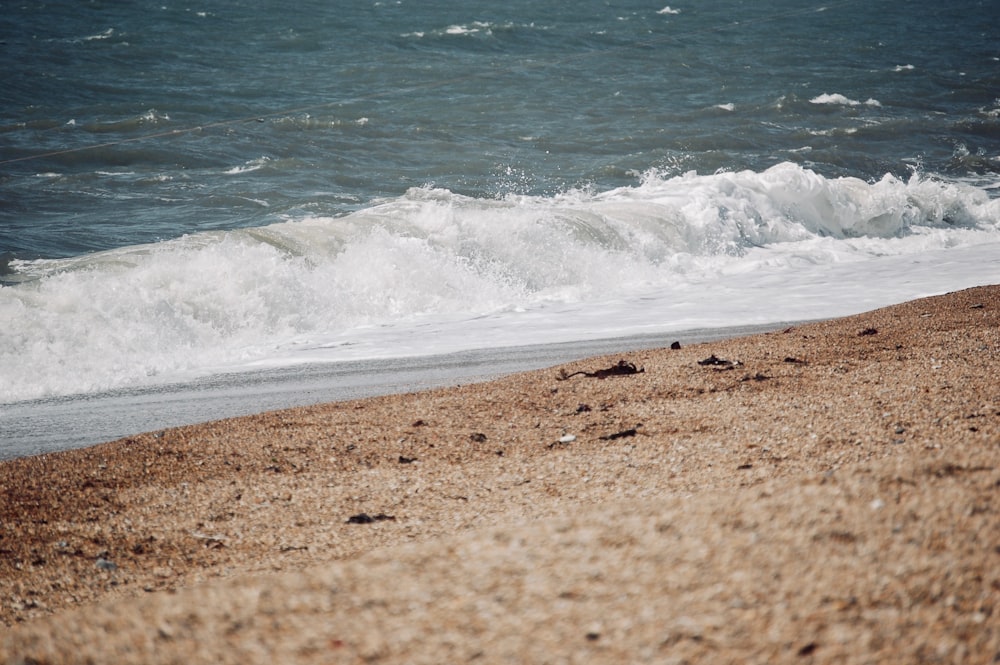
{"x": 821, "y": 494}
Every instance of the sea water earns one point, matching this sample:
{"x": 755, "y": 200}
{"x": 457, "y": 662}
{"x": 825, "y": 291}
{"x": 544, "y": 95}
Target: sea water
{"x": 207, "y": 188}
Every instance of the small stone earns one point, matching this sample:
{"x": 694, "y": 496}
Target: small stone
{"x": 105, "y": 564}
{"x": 756, "y": 377}
{"x": 620, "y": 435}
{"x": 365, "y": 518}
{"x": 567, "y": 438}
{"x": 360, "y": 518}
{"x": 808, "y": 649}
{"x": 714, "y": 360}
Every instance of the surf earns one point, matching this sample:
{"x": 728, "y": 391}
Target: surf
{"x": 366, "y": 283}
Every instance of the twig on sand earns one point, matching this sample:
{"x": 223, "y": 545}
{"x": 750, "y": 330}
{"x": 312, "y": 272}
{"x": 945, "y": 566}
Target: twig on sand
{"x": 622, "y": 368}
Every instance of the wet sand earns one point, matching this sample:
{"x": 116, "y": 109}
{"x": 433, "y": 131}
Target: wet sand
{"x": 825, "y": 493}
{"x": 56, "y": 424}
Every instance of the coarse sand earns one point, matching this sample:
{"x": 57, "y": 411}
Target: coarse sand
{"x": 828, "y": 493}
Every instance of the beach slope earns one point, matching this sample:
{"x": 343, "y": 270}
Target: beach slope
{"x": 826, "y": 493}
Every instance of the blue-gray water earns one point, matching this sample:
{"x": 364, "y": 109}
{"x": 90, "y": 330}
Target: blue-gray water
{"x": 196, "y": 189}
{"x": 161, "y": 105}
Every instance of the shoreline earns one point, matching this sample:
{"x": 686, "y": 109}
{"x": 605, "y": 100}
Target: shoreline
{"x": 820, "y": 493}
{"x": 56, "y": 424}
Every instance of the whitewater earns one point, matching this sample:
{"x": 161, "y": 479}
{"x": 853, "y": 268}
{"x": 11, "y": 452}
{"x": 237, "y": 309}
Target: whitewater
{"x": 434, "y": 272}
{"x": 211, "y": 209}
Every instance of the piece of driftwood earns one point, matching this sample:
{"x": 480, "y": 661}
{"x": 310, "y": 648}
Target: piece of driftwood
{"x": 622, "y": 368}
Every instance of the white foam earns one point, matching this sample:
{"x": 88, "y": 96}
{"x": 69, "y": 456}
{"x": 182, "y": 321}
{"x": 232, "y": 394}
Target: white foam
{"x": 471, "y": 29}
{"x": 841, "y": 100}
{"x": 107, "y": 34}
{"x": 434, "y": 271}
{"x": 154, "y": 116}
{"x": 247, "y": 167}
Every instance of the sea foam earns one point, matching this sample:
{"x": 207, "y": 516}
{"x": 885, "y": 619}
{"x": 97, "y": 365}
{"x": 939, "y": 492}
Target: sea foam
{"x": 842, "y": 100}
{"x": 420, "y": 273}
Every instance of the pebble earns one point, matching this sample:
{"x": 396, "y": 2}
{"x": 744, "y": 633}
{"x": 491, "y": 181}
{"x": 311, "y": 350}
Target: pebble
{"x": 105, "y": 564}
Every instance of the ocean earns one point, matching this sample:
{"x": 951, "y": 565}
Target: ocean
{"x": 220, "y": 193}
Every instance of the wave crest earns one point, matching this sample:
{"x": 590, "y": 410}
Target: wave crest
{"x": 138, "y": 314}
